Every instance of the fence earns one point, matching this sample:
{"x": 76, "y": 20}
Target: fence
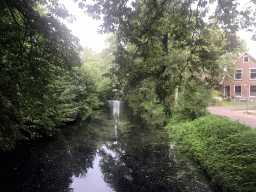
{"x": 242, "y": 101}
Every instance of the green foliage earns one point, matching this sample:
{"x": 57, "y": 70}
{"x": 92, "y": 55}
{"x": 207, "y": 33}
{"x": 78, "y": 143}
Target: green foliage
{"x": 75, "y": 95}
{"x": 172, "y": 45}
{"x": 225, "y": 148}
{"x": 144, "y": 100}
{"x": 176, "y": 49}
{"x": 32, "y": 45}
{"x": 41, "y": 82}
{"x": 193, "y": 98}
{"x": 97, "y": 66}
{"x": 216, "y": 98}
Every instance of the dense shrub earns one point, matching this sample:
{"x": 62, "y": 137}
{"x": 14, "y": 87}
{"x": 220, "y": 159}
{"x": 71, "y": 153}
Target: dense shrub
{"x": 225, "y": 148}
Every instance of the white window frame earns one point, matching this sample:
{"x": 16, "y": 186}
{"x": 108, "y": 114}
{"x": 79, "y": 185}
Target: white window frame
{"x": 235, "y": 90}
{"x": 236, "y": 73}
{"x": 250, "y": 73}
{"x": 248, "y": 58}
{"x": 250, "y": 91}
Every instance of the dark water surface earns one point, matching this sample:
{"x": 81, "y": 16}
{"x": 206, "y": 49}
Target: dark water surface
{"x": 116, "y": 151}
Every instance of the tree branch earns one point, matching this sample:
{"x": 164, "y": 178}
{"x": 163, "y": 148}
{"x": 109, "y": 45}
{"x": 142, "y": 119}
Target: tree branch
{"x": 13, "y": 16}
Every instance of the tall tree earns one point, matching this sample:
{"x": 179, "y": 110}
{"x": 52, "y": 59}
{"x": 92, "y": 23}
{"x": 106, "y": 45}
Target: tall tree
{"x": 32, "y": 47}
{"x": 173, "y": 45}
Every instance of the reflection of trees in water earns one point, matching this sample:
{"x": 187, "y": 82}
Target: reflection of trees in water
{"x": 40, "y": 172}
{"x": 51, "y": 165}
{"x": 142, "y": 160}
{"x": 48, "y": 169}
{"x": 139, "y": 161}
{"x": 83, "y": 157}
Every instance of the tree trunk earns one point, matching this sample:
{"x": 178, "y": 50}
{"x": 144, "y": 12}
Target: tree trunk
{"x": 176, "y": 95}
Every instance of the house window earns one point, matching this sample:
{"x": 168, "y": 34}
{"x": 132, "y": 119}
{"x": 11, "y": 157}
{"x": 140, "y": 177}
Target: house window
{"x": 252, "y": 90}
{"x": 238, "y": 75}
{"x": 252, "y": 74}
{"x": 238, "y": 91}
{"x": 246, "y": 59}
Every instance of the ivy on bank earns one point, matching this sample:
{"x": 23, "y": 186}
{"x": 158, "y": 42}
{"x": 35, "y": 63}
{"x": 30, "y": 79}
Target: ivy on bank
{"x": 226, "y": 149}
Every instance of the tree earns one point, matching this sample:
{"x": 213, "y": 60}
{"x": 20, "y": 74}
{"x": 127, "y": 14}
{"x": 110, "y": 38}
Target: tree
{"x": 173, "y": 45}
{"x": 33, "y": 46}
{"x": 75, "y": 96}
{"x": 97, "y": 66}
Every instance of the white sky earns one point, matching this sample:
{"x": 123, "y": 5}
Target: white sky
{"x": 85, "y": 28}
{"x": 251, "y": 45}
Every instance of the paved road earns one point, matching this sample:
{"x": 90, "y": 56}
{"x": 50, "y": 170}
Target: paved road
{"x": 226, "y": 111}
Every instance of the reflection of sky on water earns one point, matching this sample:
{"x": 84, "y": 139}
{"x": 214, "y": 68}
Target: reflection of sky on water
{"x": 138, "y": 158}
{"x": 93, "y": 180}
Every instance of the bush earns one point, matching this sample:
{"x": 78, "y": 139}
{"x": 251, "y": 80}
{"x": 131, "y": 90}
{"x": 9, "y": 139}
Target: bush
{"x": 225, "y": 148}
{"x": 193, "y": 99}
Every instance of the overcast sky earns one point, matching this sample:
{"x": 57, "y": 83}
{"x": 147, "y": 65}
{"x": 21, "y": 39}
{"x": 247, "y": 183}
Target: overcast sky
{"x": 85, "y": 28}
{"x": 251, "y": 45}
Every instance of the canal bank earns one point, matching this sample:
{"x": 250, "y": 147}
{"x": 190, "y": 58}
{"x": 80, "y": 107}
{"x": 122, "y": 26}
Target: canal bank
{"x": 116, "y": 151}
{"x": 224, "y": 149}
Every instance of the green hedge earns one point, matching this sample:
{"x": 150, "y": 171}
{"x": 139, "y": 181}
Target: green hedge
{"x": 225, "y": 148}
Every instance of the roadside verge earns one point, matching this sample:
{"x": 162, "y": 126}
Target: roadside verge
{"x": 225, "y": 149}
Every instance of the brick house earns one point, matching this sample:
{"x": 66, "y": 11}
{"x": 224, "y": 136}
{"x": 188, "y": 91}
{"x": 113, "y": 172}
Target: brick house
{"x": 244, "y": 82}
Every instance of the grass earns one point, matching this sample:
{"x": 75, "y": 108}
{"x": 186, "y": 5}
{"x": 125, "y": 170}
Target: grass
{"x": 223, "y": 103}
{"x": 227, "y": 103}
{"x": 231, "y": 103}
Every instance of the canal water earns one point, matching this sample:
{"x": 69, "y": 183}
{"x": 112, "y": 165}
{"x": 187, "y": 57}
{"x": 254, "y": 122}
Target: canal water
{"x": 116, "y": 151}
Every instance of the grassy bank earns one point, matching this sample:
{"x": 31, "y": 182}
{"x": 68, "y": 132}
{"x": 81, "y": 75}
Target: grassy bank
{"x": 224, "y": 148}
